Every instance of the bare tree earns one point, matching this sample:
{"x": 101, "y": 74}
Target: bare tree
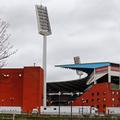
{"x": 5, "y": 47}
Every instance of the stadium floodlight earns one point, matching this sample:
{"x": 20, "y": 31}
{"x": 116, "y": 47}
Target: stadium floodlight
{"x": 77, "y": 61}
{"x": 44, "y": 29}
{"x": 43, "y": 20}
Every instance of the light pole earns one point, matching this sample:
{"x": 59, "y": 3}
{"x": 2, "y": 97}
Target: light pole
{"x": 44, "y": 29}
{"x": 83, "y": 101}
{"x": 59, "y": 93}
{"x": 71, "y": 104}
{"x": 77, "y": 61}
{"x": 71, "y": 109}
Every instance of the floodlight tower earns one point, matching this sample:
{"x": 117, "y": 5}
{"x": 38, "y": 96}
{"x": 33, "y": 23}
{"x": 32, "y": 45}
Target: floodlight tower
{"x": 77, "y": 61}
{"x": 44, "y": 29}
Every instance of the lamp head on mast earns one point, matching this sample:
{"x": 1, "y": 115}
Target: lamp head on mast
{"x": 43, "y": 20}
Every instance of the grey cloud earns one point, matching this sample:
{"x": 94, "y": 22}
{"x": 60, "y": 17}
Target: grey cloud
{"x": 88, "y": 28}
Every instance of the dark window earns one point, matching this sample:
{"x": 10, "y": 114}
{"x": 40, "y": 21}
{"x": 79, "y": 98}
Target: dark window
{"x": 98, "y": 93}
{"x": 87, "y": 101}
{"x": 92, "y": 100}
{"x": 104, "y": 106}
{"x": 98, "y": 100}
{"x": 97, "y": 106}
{"x": 92, "y": 94}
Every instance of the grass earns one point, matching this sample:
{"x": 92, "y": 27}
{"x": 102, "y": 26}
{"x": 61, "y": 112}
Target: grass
{"x": 46, "y": 117}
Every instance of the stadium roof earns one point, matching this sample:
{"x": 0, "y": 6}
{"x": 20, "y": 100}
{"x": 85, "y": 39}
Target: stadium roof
{"x": 85, "y": 67}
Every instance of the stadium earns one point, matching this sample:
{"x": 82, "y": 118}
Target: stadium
{"x": 100, "y": 88}
{"x": 23, "y": 87}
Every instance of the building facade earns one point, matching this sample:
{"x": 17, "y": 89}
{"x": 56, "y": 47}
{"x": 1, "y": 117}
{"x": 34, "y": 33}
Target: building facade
{"x": 21, "y": 87}
{"x": 100, "y": 96}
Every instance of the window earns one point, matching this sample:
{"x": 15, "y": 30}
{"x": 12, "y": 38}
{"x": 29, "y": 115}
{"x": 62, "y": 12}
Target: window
{"x": 82, "y": 100}
{"x": 104, "y": 99}
{"x": 98, "y": 100}
{"x": 113, "y": 99}
{"x": 87, "y": 101}
{"x": 92, "y": 100}
{"x": 97, "y": 106}
{"x": 92, "y": 94}
{"x": 113, "y": 93}
{"x": 20, "y": 75}
{"x": 117, "y": 93}
{"x": 7, "y": 75}
{"x": 98, "y": 93}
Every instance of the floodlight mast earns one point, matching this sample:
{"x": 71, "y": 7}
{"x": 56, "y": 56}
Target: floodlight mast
{"x": 44, "y": 29}
{"x": 77, "y": 61}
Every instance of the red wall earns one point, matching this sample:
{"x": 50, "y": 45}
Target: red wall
{"x": 11, "y": 87}
{"x": 21, "y": 87}
{"x": 100, "y": 96}
{"x": 32, "y": 88}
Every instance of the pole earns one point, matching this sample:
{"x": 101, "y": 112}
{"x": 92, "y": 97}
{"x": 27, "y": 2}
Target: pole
{"x": 109, "y": 75}
{"x": 71, "y": 104}
{"x": 14, "y": 116}
{"x": 59, "y": 103}
{"x": 94, "y": 76}
{"x": 82, "y": 107}
{"x": 44, "y": 68}
{"x": 71, "y": 109}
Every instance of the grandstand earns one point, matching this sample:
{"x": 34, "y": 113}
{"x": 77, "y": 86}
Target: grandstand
{"x": 100, "y": 88}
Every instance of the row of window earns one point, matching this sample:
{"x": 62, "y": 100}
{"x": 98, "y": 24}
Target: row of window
{"x": 104, "y": 93}
{"x": 2, "y": 100}
{"x": 99, "y": 100}
{"x": 97, "y": 93}
{"x": 8, "y": 75}
{"x": 93, "y": 100}
{"x": 115, "y": 93}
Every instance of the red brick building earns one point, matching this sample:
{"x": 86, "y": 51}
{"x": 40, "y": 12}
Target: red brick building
{"x": 21, "y": 87}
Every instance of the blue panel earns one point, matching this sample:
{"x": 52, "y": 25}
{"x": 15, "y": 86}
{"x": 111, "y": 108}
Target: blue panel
{"x": 83, "y": 66}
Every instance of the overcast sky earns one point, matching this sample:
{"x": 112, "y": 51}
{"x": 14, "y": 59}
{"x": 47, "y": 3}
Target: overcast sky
{"x": 86, "y": 28}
